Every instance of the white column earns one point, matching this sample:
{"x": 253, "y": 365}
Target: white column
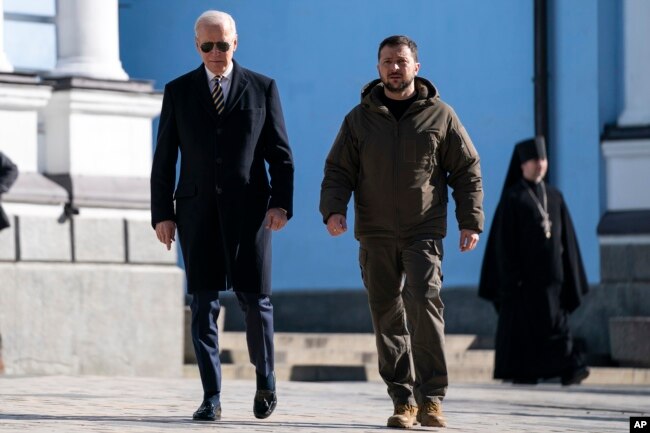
{"x": 88, "y": 39}
{"x": 636, "y": 34}
{"x": 5, "y": 66}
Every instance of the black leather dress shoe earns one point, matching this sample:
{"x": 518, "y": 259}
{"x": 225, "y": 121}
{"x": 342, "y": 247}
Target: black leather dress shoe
{"x": 208, "y": 412}
{"x": 265, "y": 397}
{"x": 264, "y": 403}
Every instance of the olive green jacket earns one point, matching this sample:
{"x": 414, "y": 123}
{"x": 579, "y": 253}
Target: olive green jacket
{"x": 399, "y": 170}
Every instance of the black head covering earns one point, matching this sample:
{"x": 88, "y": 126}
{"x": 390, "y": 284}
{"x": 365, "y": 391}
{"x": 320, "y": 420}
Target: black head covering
{"x": 533, "y": 148}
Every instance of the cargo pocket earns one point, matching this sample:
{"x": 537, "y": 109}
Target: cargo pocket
{"x": 435, "y": 284}
{"x": 363, "y": 260}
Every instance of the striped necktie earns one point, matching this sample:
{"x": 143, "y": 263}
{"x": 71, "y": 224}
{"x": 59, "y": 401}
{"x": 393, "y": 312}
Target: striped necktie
{"x": 217, "y": 95}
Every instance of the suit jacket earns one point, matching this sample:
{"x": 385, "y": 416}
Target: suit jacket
{"x": 223, "y": 189}
{"x": 8, "y": 175}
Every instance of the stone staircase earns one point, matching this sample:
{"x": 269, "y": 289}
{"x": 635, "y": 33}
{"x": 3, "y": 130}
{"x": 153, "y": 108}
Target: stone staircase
{"x": 342, "y": 357}
{"x": 353, "y": 357}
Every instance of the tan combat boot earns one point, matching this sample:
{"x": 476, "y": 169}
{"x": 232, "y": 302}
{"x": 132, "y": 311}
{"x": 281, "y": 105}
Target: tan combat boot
{"x": 403, "y": 417}
{"x": 430, "y": 415}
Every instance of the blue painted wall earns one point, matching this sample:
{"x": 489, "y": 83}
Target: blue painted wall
{"x": 479, "y": 54}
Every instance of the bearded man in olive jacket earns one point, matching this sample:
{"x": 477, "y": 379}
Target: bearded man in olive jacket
{"x": 397, "y": 151}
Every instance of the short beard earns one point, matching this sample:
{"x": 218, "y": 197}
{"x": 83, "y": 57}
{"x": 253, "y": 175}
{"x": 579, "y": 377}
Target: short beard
{"x": 399, "y": 87}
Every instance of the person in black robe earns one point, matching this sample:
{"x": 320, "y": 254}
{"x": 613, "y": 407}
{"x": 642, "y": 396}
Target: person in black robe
{"x": 8, "y": 175}
{"x": 533, "y": 273}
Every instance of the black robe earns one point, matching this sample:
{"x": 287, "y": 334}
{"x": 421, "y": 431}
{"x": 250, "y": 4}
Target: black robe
{"x": 8, "y": 175}
{"x": 534, "y": 282}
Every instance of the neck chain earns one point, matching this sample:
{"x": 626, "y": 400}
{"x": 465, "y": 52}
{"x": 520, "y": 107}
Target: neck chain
{"x": 541, "y": 207}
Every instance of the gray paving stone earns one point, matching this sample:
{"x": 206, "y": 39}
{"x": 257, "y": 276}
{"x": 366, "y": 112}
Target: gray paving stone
{"x": 99, "y": 240}
{"x": 143, "y": 405}
{"x": 44, "y": 239}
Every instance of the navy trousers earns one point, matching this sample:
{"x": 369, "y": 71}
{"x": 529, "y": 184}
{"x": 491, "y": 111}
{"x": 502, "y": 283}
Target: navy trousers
{"x": 258, "y": 314}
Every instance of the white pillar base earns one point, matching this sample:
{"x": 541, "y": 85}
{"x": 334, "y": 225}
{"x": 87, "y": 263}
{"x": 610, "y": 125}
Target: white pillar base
{"x": 98, "y": 141}
{"x": 100, "y": 132}
{"x": 627, "y": 174}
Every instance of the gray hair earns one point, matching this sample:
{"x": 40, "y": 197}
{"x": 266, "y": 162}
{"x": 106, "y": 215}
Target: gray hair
{"x": 216, "y": 18}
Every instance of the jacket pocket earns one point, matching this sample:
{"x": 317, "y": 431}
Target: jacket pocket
{"x": 185, "y": 190}
{"x": 421, "y": 149}
{"x": 363, "y": 260}
{"x": 433, "y": 148}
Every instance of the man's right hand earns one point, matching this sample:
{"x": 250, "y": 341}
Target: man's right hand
{"x": 336, "y": 224}
{"x": 166, "y": 232}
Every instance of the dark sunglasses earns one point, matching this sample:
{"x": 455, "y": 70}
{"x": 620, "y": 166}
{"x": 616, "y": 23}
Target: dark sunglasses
{"x": 222, "y": 46}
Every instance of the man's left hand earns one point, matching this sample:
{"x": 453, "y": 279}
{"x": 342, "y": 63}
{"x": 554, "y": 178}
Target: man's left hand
{"x": 468, "y": 240}
{"x": 276, "y": 218}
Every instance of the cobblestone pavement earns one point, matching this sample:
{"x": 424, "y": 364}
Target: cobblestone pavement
{"x": 125, "y": 405}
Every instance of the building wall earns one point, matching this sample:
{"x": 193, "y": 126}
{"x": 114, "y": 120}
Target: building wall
{"x": 479, "y": 54}
{"x": 79, "y": 264}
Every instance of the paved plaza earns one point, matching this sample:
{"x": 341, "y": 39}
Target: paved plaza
{"x": 125, "y": 405}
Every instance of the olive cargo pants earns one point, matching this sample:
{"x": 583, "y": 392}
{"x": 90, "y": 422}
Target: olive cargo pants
{"x": 403, "y": 280}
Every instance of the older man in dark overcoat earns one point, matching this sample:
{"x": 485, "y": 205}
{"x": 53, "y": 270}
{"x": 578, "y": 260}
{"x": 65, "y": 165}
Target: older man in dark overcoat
{"x": 227, "y": 123}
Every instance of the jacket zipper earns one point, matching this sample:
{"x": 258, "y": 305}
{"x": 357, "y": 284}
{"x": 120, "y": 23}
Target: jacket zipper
{"x": 396, "y": 149}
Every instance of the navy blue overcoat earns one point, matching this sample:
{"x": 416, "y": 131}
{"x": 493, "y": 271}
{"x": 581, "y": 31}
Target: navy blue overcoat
{"x": 223, "y": 189}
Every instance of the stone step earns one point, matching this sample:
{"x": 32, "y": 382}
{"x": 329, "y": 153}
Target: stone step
{"x": 470, "y": 358}
{"x": 334, "y": 373}
{"x": 292, "y": 341}
{"x": 457, "y": 374}
{"x": 305, "y": 356}
{"x": 618, "y": 376}
{"x": 295, "y": 341}
{"x": 353, "y": 357}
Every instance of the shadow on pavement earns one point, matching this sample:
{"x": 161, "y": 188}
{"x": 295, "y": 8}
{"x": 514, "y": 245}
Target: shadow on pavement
{"x": 179, "y": 420}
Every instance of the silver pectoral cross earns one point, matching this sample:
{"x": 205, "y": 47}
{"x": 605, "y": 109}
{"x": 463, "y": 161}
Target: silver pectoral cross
{"x": 546, "y": 226}
{"x": 542, "y": 208}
